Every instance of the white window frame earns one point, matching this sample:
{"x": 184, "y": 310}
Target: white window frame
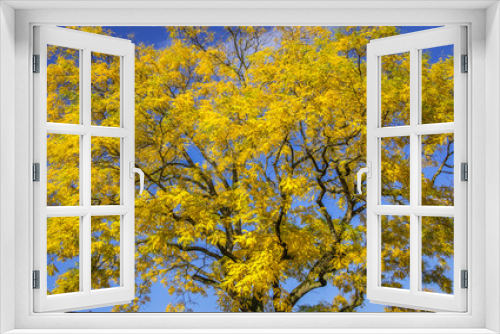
{"x": 483, "y": 21}
{"x": 85, "y": 43}
{"x": 414, "y": 43}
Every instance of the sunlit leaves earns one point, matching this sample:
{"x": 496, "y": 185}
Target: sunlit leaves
{"x": 250, "y": 139}
{"x": 63, "y": 170}
{"x": 105, "y": 89}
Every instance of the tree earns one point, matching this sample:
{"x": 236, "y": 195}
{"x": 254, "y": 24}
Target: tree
{"x": 250, "y": 138}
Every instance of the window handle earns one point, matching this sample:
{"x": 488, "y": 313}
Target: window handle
{"x": 368, "y": 171}
{"x": 134, "y": 170}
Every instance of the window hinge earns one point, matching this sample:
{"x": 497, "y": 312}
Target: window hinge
{"x": 465, "y": 63}
{"x": 36, "y": 279}
{"x": 36, "y": 172}
{"x": 36, "y": 63}
{"x": 464, "y": 173}
{"x": 465, "y": 279}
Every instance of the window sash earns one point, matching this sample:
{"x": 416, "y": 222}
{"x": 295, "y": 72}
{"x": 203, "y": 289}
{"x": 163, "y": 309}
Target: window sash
{"x": 86, "y": 43}
{"x": 414, "y": 298}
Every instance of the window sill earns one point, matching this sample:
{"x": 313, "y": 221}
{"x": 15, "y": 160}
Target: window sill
{"x": 250, "y": 331}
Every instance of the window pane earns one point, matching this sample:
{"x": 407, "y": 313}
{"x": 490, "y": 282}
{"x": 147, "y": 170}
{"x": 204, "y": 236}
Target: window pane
{"x": 105, "y": 89}
{"x": 63, "y": 255}
{"x": 395, "y": 170}
{"x": 437, "y": 254}
{"x": 105, "y": 266}
{"x": 63, "y": 170}
{"x": 437, "y": 169}
{"x": 395, "y": 89}
{"x": 63, "y": 85}
{"x": 105, "y": 171}
{"x": 395, "y": 252}
{"x": 437, "y": 85}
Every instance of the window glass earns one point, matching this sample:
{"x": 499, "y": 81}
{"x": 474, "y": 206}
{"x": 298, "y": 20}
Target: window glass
{"x": 63, "y": 255}
{"x": 437, "y": 84}
{"x": 105, "y": 261}
{"x": 395, "y": 170}
{"x": 63, "y": 85}
{"x": 437, "y": 254}
{"x": 395, "y": 89}
{"x": 438, "y": 169}
{"x": 105, "y": 171}
{"x": 105, "y": 74}
{"x": 63, "y": 170}
{"x": 395, "y": 251}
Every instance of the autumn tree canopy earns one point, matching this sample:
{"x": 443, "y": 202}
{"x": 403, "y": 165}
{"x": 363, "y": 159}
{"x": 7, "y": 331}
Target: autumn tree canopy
{"x": 250, "y": 139}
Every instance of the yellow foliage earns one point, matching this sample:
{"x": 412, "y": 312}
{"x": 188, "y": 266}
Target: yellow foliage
{"x": 250, "y": 143}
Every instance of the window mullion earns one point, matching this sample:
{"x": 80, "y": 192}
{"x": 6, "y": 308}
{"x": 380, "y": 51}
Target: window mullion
{"x": 86, "y": 242}
{"x": 81, "y": 159}
{"x": 414, "y": 171}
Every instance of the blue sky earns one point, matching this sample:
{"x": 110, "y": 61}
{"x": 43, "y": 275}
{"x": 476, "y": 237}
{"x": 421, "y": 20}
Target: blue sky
{"x": 158, "y": 37}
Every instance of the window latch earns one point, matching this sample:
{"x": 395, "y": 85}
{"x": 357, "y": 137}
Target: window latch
{"x": 132, "y": 171}
{"x": 368, "y": 171}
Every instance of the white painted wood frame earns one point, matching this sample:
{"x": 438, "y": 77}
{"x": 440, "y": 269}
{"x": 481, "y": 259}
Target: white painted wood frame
{"x": 415, "y": 297}
{"x": 17, "y": 111}
{"x": 86, "y": 43}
